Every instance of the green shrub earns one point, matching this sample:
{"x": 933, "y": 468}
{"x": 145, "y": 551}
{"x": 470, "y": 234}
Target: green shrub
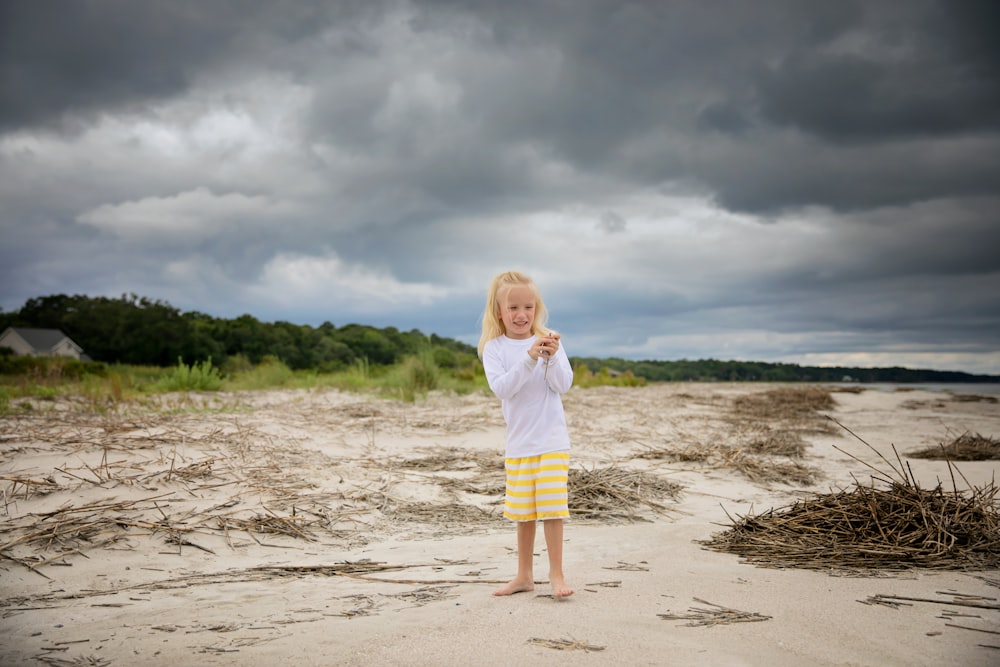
{"x": 236, "y": 364}
{"x": 55, "y": 369}
{"x": 270, "y": 372}
{"x": 422, "y": 371}
{"x": 445, "y": 358}
{"x": 471, "y": 372}
{"x": 103, "y": 392}
{"x": 358, "y": 376}
{"x": 45, "y": 393}
{"x": 584, "y": 377}
{"x": 414, "y": 376}
{"x": 200, "y": 376}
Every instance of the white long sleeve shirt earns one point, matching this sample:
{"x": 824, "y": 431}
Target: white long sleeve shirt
{"x": 531, "y": 399}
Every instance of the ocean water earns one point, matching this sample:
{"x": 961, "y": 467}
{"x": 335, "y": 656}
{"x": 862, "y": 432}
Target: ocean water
{"x": 980, "y": 388}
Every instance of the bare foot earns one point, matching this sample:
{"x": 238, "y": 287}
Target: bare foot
{"x": 559, "y": 588}
{"x": 516, "y": 586}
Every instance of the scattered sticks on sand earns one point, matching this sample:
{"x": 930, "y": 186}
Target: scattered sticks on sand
{"x": 771, "y": 424}
{"x": 974, "y": 398}
{"x": 767, "y": 470}
{"x": 973, "y": 601}
{"x": 791, "y": 404}
{"x": 766, "y": 443}
{"x": 762, "y": 469}
{"x": 565, "y": 644}
{"x": 364, "y": 570}
{"x": 85, "y": 661}
{"x": 951, "y": 599}
{"x": 716, "y": 615}
{"x": 162, "y": 473}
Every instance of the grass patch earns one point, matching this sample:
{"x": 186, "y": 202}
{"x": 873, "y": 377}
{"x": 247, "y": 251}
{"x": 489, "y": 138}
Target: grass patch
{"x": 270, "y": 373}
{"x": 104, "y": 386}
{"x": 584, "y": 377}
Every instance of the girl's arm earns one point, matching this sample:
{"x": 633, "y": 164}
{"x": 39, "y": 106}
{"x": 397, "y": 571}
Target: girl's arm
{"x": 560, "y": 374}
{"x": 505, "y": 383}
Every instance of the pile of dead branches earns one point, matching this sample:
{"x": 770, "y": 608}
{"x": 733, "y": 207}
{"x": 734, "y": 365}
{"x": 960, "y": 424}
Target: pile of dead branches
{"x": 615, "y": 494}
{"x": 966, "y": 447}
{"x": 897, "y": 527}
{"x": 890, "y": 524}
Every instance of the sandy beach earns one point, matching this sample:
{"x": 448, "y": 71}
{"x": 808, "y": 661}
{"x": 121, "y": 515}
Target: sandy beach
{"x": 330, "y": 528}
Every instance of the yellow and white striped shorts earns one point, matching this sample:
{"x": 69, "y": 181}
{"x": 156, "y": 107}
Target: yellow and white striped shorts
{"x": 537, "y": 487}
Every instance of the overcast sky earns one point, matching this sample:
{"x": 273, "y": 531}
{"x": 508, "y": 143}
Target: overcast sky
{"x": 780, "y": 180}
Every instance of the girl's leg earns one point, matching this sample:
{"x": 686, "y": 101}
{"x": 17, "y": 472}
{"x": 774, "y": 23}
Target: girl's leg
{"x": 554, "y": 544}
{"x": 525, "y": 579}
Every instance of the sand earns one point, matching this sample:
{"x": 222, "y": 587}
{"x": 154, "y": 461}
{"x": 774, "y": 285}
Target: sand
{"x": 330, "y": 528}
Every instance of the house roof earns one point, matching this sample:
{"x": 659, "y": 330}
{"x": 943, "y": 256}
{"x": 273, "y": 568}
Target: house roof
{"x": 41, "y": 339}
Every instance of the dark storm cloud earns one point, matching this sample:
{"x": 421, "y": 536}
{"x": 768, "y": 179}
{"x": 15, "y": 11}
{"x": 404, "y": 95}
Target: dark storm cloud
{"x": 804, "y": 85}
{"x": 60, "y": 60}
{"x": 683, "y": 177}
{"x": 843, "y": 74}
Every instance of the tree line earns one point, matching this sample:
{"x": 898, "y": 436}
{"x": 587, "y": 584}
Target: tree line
{"x": 141, "y": 331}
{"x": 708, "y": 370}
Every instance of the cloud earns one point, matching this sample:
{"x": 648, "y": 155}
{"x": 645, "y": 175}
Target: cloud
{"x": 302, "y": 281}
{"x": 63, "y": 69}
{"x": 780, "y": 180}
{"x": 612, "y": 223}
{"x": 187, "y": 218}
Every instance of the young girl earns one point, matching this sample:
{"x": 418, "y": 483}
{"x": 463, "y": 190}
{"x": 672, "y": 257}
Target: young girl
{"x": 528, "y": 370}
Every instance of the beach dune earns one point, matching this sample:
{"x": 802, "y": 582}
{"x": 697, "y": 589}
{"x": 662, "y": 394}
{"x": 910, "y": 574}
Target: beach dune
{"x": 330, "y": 528}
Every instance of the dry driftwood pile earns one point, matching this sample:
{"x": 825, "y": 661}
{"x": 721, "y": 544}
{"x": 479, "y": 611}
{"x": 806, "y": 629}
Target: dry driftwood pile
{"x": 966, "y": 447}
{"x": 896, "y": 527}
{"x": 892, "y": 523}
{"x": 615, "y": 494}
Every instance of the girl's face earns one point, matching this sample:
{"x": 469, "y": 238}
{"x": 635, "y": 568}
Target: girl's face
{"x": 517, "y": 311}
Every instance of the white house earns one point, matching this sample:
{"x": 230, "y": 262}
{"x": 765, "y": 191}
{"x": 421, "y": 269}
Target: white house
{"x": 40, "y": 343}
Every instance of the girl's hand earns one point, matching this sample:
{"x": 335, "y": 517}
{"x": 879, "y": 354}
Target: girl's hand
{"x": 545, "y": 347}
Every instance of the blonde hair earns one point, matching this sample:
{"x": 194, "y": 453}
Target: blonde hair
{"x": 492, "y": 323}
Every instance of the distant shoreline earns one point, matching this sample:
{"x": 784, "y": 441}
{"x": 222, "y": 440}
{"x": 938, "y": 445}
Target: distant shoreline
{"x": 991, "y": 388}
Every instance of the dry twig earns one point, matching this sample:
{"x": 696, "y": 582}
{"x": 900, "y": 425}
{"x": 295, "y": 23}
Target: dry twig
{"x": 717, "y": 615}
{"x": 565, "y": 644}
